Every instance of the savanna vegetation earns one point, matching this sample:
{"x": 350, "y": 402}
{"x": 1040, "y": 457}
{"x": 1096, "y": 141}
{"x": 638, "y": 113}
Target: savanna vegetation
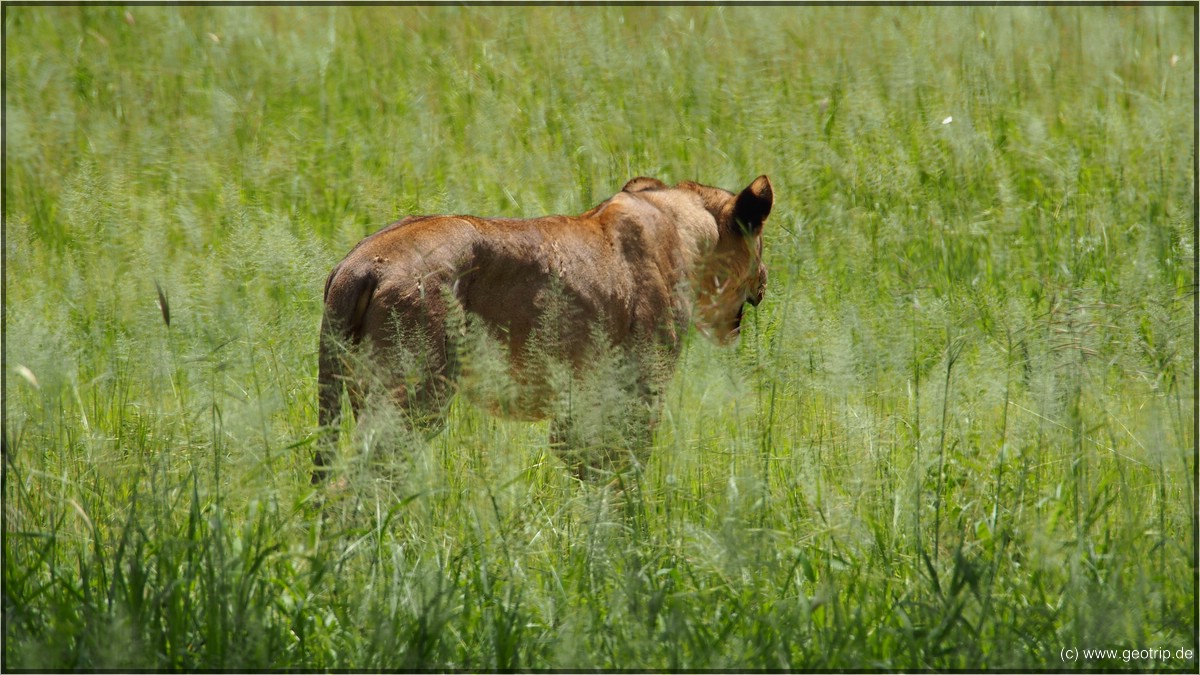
{"x": 959, "y": 433}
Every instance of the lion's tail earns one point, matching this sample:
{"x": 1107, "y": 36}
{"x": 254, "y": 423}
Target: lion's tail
{"x": 348, "y": 293}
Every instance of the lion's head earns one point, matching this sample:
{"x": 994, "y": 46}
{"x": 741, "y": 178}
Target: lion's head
{"x": 732, "y": 274}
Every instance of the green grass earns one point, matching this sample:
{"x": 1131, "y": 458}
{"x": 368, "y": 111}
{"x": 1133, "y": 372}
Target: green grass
{"x": 959, "y": 432}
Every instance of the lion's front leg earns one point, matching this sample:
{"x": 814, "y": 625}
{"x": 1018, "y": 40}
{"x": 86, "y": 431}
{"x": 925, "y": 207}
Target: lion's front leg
{"x": 605, "y": 435}
{"x": 593, "y": 459}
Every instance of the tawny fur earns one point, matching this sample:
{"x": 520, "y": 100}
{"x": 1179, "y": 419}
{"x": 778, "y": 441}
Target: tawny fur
{"x": 636, "y": 269}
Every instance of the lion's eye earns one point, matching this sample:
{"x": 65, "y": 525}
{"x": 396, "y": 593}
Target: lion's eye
{"x": 757, "y": 296}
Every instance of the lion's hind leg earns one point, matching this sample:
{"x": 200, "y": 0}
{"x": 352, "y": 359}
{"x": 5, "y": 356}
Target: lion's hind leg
{"x": 396, "y": 369}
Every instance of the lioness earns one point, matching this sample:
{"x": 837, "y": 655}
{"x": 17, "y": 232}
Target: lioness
{"x": 627, "y": 276}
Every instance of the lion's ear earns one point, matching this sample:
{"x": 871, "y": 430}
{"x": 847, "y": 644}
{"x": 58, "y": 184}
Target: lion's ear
{"x": 753, "y": 205}
{"x": 643, "y": 183}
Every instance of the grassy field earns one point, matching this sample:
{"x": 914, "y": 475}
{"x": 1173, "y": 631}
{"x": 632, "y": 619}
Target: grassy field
{"x": 958, "y": 434}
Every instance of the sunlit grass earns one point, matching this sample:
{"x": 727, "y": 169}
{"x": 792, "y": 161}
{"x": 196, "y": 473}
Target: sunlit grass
{"x": 958, "y": 433}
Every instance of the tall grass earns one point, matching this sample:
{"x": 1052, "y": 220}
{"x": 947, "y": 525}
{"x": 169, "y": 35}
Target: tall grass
{"x": 958, "y": 434}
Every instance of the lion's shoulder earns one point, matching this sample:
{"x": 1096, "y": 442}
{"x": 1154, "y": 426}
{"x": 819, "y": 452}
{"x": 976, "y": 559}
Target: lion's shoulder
{"x": 667, "y": 205}
{"x": 644, "y": 183}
